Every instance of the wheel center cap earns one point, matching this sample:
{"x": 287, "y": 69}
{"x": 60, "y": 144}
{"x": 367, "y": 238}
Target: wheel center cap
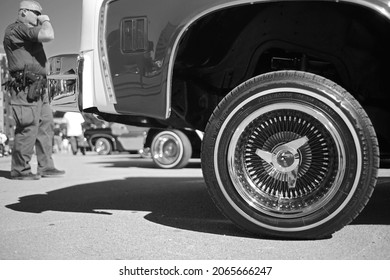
{"x": 285, "y": 158}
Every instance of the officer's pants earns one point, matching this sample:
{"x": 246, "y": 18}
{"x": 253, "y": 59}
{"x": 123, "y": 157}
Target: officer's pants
{"x": 34, "y": 128}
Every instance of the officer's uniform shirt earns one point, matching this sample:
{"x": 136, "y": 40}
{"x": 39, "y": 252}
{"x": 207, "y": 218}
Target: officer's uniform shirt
{"x": 22, "y": 48}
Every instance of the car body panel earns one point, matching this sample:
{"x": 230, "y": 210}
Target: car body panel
{"x": 142, "y": 79}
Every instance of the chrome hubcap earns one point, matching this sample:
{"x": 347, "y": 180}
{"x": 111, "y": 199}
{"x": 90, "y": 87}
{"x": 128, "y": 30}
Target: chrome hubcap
{"x": 286, "y": 162}
{"x": 100, "y": 146}
{"x": 285, "y": 159}
{"x": 167, "y": 149}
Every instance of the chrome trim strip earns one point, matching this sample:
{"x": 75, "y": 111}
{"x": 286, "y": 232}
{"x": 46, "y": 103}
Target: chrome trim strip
{"x": 103, "y": 54}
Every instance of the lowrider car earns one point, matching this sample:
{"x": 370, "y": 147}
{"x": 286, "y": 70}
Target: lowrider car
{"x": 292, "y": 97}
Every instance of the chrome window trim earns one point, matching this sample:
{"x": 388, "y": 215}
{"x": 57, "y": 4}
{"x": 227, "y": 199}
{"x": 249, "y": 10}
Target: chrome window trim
{"x": 103, "y": 54}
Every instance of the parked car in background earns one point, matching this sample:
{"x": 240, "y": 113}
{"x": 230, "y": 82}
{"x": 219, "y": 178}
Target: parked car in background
{"x": 167, "y": 148}
{"x": 292, "y": 97}
{"x": 116, "y": 137}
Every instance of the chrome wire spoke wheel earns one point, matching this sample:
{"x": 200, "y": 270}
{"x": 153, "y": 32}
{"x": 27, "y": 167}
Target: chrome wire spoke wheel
{"x": 286, "y": 162}
{"x": 290, "y": 154}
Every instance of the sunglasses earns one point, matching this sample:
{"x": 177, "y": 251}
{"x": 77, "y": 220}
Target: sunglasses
{"x": 37, "y": 13}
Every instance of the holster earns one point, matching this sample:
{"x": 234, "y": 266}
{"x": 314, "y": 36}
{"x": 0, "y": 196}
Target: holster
{"x": 35, "y": 87}
{"x": 34, "y": 83}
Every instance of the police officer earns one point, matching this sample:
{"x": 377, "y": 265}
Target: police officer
{"x": 31, "y": 109}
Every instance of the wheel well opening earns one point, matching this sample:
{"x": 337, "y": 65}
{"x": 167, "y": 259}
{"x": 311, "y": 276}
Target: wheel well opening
{"x": 341, "y": 41}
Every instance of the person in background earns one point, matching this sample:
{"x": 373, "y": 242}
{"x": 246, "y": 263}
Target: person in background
{"x": 3, "y": 140}
{"x": 29, "y": 99}
{"x": 57, "y": 140}
{"x": 74, "y": 131}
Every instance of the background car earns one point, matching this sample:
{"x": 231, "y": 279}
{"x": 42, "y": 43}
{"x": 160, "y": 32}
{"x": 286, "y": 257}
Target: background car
{"x": 168, "y": 148}
{"x": 116, "y": 137}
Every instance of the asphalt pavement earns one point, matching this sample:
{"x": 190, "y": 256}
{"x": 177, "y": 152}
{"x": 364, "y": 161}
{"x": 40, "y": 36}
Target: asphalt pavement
{"x": 121, "y": 207}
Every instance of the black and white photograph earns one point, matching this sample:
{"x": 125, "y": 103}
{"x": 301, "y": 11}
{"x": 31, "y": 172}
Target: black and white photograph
{"x": 183, "y": 139}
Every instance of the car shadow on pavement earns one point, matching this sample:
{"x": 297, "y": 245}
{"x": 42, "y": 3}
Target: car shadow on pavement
{"x": 140, "y": 163}
{"x": 5, "y": 174}
{"x": 181, "y": 203}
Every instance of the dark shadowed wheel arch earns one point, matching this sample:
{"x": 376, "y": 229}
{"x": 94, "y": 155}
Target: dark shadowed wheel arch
{"x": 290, "y": 154}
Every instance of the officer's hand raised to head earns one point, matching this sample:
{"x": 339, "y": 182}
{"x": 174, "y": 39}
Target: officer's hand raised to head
{"x": 46, "y": 34}
{"x": 43, "y": 18}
